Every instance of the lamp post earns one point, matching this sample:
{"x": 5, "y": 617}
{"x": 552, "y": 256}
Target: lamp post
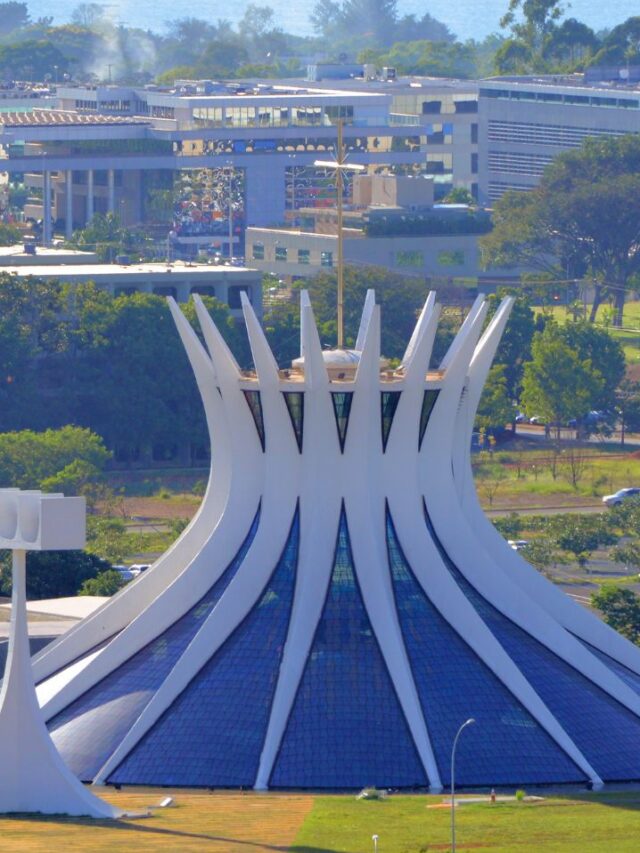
{"x": 468, "y": 722}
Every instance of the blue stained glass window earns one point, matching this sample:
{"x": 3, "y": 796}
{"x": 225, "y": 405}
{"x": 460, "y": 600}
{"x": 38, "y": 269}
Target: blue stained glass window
{"x": 428, "y": 402}
{"x": 88, "y": 730}
{"x": 606, "y": 733}
{"x": 295, "y": 406}
{"x": 254, "y": 401}
{"x": 505, "y": 746}
{"x": 388, "y": 404}
{"x": 346, "y": 727}
{"x": 630, "y": 678}
{"x": 342, "y": 409}
{"x": 213, "y": 733}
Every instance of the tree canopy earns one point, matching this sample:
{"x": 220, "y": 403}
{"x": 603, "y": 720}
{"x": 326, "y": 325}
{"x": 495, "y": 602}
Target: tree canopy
{"x": 582, "y": 220}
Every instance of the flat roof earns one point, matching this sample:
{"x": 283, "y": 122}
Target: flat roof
{"x": 48, "y": 252}
{"x": 96, "y": 271}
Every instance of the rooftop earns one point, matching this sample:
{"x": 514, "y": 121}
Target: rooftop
{"x": 63, "y": 118}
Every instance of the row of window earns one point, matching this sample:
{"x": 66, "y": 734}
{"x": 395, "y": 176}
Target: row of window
{"x": 560, "y": 98}
{"x": 519, "y": 163}
{"x": 281, "y": 255}
{"x": 402, "y": 257}
{"x": 341, "y": 401}
{"x": 271, "y": 116}
{"x": 544, "y": 134}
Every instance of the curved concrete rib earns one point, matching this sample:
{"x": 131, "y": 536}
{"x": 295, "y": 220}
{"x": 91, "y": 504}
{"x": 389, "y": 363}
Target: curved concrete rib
{"x": 225, "y": 534}
{"x": 364, "y": 506}
{"x": 319, "y": 520}
{"x": 122, "y": 608}
{"x": 468, "y": 553}
{"x": 575, "y": 618}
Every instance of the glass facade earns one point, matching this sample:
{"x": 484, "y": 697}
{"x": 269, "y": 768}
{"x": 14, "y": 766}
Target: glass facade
{"x": 213, "y": 732}
{"x": 346, "y": 728}
{"x": 506, "y": 746}
{"x": 341, "y": 409}
{"x": 295, "y": 406}
{"x": 428, "y": 402}
{"x": 89, "y": 729}
{"x": 631, "y": 679}
{"x": 606, "y": 733}
{"x": 388, "y": 404}
{"x": 254, "y": 401}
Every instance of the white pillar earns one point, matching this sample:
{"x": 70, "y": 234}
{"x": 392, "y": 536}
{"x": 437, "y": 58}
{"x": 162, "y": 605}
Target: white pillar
{"x": 68, "y": 222}
{"x": 111, "y": 184}
{"x": 89, "y": 195}
{"x": 46, "y": 207}
{"x": 33, "y": 777}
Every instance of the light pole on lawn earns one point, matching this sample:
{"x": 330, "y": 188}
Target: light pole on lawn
{"x": 468, "y": 722}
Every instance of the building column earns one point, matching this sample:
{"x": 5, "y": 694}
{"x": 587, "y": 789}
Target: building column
{"x": 111, "y": 185}
{"x": 89, "y": 195}
{"x": 46, "y": 207}
{"x": 68, "y": 220}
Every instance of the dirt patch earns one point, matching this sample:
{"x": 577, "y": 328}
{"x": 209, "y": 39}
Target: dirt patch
{"x": 220, "y": 822}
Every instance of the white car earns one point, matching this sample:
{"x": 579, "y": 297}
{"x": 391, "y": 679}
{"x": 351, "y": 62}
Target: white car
{"x": 621, "y": 495}
{"x": 517, "y": 544}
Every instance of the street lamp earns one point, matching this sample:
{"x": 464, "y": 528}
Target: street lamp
{"x": 468, "y": 722}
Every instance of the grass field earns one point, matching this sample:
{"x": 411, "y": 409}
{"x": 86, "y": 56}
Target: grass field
{"x": 234, "y": 822}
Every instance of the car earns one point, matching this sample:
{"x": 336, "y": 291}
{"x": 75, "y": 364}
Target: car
{"x": 536, "y": 419}
{"x": 517, "y": 544}
{"x": 138, "y": 568}
{"x": 521, "y": 418}
{"x": 621, "y": 495}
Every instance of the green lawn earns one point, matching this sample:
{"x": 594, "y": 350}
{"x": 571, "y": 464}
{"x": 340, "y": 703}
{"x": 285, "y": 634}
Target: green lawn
{"x": 404, "y": 824}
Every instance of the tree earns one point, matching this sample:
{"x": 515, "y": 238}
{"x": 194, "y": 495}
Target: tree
{"x": 88, "y": 15}
{"x": 28, "y": 459}
{"x": 13, "y": 16}
{"x": 31, "y": 60}
{"x": 570, "y": 43}
{"x": 106, "y": 583}
{"x": 557, "y": 384}
{"x": 621, "y": 45}
{"x": 54, "y": 574}
{"x": 496, "y": 408}
{"x": 400, "y": 299}
{"x": 620, "y": 608}
{"x": 532, "y": 21}
{"x": 515, "y": 345}
{"x": 582, "y": 219}
{"x": 605, "y": 354}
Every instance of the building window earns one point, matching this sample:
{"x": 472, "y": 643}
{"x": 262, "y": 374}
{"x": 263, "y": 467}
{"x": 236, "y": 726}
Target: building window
{"x": 326, "y": 259}
{"x": 466, "y": 106}
{"x": 295, "y": 406}
{"x": 258, "y": 251}
{"x": 254, "y": 401}
{"x": 451, "y": 258}
{"x": 431, "y": 107}
{"x": 341, "y": 409}
{"x": 281, "y": 253}
{"x": 203, "y": 289}
{"x": 409, "y": 259}
{"x": 304, "y": 256}
{"x": 474, "y": 134}
{"x": 474, "y": 164}
{"x": 233, "y": 296}
{"x": 388, "y": 404}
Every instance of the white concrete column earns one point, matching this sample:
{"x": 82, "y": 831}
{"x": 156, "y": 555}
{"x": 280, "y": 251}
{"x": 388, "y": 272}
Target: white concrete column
{"x": 89, "y": 195}
{"x": 46, "y": 208}
{"x": 111, "y": 184}
{"x": 68, "y": 223}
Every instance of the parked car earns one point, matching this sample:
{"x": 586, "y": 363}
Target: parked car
{"x": 517, "y": 544}
{"x": 621, "y": 495}
{"x": 521, "y": 418}
{"x": 125, "y": 573}
{"x": 138, "y": 568}
{"x": 536, "y": 419}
